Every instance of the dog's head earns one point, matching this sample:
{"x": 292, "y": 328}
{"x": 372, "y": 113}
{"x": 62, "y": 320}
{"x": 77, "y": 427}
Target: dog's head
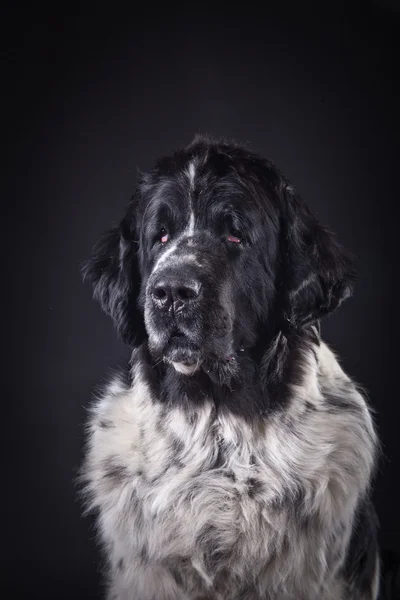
{"x": 215, "y": 253}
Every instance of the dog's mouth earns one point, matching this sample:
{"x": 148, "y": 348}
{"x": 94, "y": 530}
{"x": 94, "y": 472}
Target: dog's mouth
{"x": 188, "y": 355}
{"x": 180, "y": 350}
{"x": 187, "y": 359}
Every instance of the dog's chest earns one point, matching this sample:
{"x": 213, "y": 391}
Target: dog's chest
{"x": 210, "y": 495}
{"x": 205, "y": 489}
{"x": 223, "y": 503}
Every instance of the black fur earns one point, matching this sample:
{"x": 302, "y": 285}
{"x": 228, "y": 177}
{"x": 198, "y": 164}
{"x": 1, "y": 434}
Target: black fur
{"x": 259, "y": 304}
{"x": 288, "y": 272}
{"x": 363, "y": 548}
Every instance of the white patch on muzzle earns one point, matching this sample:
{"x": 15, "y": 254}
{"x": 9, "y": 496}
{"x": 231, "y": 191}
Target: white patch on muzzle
{"x": 185, "y": 369}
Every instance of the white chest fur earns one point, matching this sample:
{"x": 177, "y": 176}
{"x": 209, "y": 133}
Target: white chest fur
{"x": 195, "y": 501}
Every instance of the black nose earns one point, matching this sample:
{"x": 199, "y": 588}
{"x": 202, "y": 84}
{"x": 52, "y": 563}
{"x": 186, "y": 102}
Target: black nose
{"x": 178, "y": 293}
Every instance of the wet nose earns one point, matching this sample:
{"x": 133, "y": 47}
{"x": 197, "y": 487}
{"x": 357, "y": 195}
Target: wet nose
{"x": 174, "y": 293}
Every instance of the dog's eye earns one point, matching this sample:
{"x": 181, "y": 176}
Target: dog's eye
{"x": 164, "y": 237}
{"x": 234, "y": 237}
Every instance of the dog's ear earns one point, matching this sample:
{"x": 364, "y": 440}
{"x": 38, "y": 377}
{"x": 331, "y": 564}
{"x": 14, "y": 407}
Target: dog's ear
{"x": 317, "y": 273}
{"x": 113, "y": 272}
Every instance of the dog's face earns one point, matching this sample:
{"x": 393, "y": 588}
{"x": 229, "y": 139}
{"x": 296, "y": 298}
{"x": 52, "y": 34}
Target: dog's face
{"x": 215, "y": 252}
{"x": 208, "y": 260}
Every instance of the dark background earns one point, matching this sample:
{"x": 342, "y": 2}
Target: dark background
{"x": 90, "y": 98}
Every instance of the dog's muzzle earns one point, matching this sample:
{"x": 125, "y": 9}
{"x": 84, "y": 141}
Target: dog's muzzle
{"x": 176, "y": 301}
{"x": 188, "y": 313}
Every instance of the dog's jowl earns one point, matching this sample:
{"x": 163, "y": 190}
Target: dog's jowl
{"x": 233, "y": 459}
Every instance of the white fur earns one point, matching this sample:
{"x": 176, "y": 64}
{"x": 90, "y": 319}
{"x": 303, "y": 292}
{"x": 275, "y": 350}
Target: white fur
{"x": 165, "y": 255}
{"x": 190, "y": 229}
{"x": 185, "y": 369}
{"x": 164, "y": 507}
{"x": 191, "y": 173}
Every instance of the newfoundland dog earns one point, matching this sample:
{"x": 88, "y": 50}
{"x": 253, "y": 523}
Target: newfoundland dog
{"x": 233, "y": 459}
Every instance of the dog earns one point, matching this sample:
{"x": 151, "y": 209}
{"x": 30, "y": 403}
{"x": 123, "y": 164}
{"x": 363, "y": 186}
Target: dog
{"x": 233, "y": 459}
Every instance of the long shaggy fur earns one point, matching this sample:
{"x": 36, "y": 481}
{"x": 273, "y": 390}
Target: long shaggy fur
{"x": 233, "y": 460}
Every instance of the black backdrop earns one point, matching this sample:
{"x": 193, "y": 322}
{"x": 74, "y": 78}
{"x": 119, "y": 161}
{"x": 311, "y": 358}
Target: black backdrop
{"x": 88, "y": 100}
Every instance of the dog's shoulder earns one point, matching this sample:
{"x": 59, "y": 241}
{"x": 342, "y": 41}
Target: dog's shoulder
{"x": 342, "y": 408}
{"x": 115, "y": 431}
{"x": 339, "y": 394}
{"x": 325, "y": 436}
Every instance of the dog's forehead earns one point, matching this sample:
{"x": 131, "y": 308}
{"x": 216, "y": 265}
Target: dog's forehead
{"x": 202, "y": 183}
